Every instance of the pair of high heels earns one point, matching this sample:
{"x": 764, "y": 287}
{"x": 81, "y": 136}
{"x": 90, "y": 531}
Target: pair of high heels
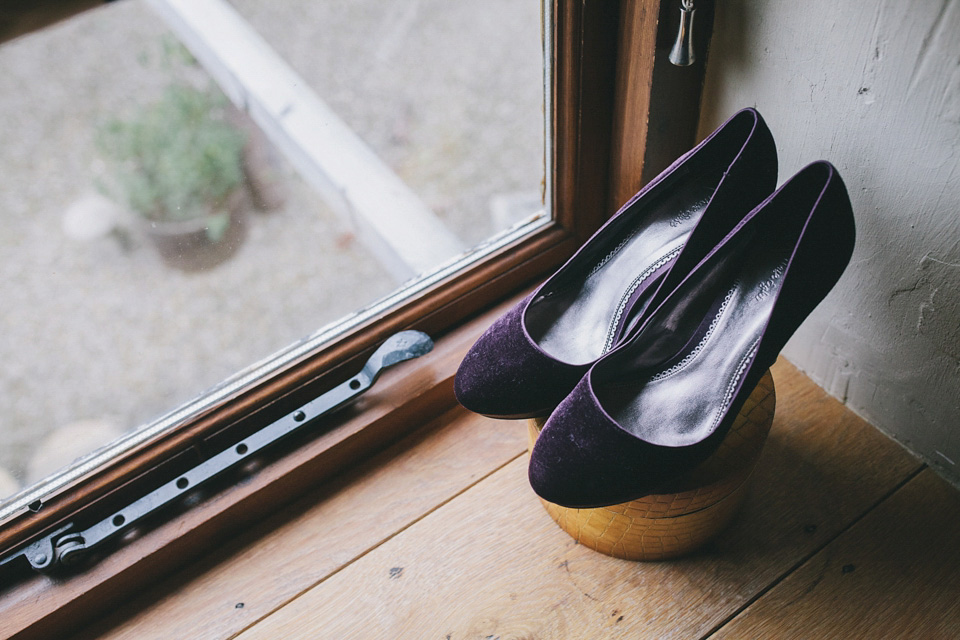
{"x": 644, "y": 345}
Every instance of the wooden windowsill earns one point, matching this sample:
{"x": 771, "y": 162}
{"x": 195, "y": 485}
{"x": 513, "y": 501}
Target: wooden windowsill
{"x": 408, "y": 398}
{"x": 440, "y": 536}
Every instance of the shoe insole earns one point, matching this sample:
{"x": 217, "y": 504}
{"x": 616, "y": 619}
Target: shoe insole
{"x": 683, "y": 401}
{"x": 579, "y": 323}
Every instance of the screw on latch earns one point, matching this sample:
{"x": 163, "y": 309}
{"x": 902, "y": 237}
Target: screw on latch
{"x": 42, "y": 554}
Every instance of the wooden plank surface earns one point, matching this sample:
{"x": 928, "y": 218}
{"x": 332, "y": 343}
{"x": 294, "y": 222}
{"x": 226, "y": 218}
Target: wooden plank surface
{"x": 491, "y": 563}
{"x": 894, "y": 574}
{"x": 275, "y": 561}
{"x": 43, "y": 606}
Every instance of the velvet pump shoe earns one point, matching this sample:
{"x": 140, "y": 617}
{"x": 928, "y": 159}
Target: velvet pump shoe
{"x": 533, "y": 355}
{"x": 660, "y": 403}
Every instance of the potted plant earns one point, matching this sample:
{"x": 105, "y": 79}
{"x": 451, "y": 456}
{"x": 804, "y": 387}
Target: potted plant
{"x": 177, "y": 164}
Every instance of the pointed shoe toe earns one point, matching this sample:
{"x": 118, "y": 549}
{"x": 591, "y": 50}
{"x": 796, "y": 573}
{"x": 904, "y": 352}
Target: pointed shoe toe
{"x": 652, "y": 409}
{"x": 531, "y": 358}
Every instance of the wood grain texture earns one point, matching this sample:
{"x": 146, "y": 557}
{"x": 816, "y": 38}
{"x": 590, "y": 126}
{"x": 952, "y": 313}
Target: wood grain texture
{"x": 583, "y": 75}
{"x": 679, "y": 89}
{"x": 492, "y": 563}
{"x": 894, "y": 574}
{"x": 292, "y": 551}
{"x": 657, "y": 105}
{"x": 638, "y": 51}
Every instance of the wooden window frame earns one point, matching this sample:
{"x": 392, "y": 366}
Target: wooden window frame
{"x": 620, "y": 114}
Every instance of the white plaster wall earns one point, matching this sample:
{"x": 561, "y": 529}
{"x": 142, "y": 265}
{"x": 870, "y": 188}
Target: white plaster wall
{"x": 874, "y": 87}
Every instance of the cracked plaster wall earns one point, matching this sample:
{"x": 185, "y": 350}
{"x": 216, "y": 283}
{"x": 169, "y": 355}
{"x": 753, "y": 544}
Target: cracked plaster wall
{"x": 874, "y": 87}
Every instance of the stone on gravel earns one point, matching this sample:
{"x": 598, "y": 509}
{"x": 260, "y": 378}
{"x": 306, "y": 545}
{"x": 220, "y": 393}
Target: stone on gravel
{"x": 90, "y": 217}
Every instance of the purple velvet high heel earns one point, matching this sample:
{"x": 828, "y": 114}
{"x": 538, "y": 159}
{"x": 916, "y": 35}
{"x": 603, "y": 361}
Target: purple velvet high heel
{"x": 533, "y": 355}
{"x": 660, "y": 403}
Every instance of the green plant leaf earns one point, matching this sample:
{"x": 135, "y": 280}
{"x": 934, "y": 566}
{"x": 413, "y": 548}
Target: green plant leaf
{"x": 217, "y": 225}
{"x": 176, "y": 159}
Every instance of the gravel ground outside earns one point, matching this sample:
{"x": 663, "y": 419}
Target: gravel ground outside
{"x": 102, "y": 330}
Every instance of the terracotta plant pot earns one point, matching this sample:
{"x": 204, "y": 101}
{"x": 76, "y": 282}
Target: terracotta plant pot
{"x": 187, "y": 244}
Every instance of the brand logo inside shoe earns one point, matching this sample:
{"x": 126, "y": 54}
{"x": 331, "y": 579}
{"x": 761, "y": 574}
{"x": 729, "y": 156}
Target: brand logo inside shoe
{"x": 771, "y": 282}
{"x": 695, "y": 209}
{"x": 680, "y": 219}
{"x": 683, "y": 216}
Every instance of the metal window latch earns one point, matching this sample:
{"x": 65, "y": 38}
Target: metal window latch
{"x": 67, "y": 545}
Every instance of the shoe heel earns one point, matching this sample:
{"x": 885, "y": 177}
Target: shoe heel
{"x": 688, "y": 512}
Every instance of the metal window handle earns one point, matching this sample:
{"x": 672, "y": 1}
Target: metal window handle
{"x": 682, "y": 54}
{"x": 67, "y": 545}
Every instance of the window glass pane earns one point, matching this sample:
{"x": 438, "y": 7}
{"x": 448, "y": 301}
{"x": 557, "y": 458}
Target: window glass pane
{"x": 449, "y": 94}
{"x": 108, "y": 323}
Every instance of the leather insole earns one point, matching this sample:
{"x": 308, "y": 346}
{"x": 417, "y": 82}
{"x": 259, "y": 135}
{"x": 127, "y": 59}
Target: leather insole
{"x": 682, "y": 401}
{"x": 581, "y": 322}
